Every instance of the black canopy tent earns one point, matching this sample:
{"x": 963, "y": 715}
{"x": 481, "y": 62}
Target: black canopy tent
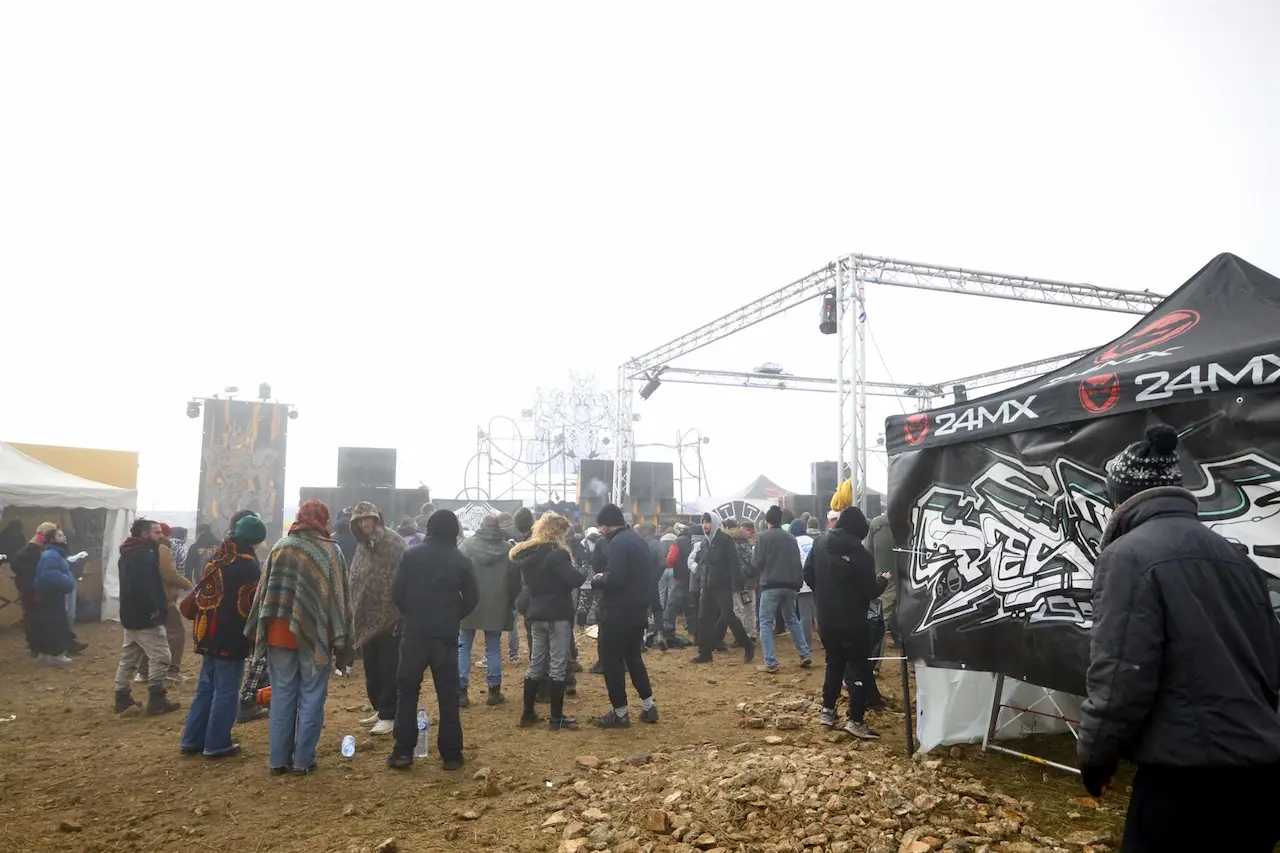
{"x": 998, "y": 504}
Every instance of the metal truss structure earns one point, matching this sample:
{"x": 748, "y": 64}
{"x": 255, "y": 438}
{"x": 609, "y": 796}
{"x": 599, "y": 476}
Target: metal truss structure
{"x": 846, "y": 278}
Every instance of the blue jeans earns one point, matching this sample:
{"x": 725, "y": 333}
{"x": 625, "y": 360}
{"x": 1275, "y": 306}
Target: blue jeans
{"x": 770, "y": 601}
{"x": 665, "y": 585}
{"x": 214, "y": 707}
{"x": 804, "y": 603}
{"x": 299, "y": 687}
{"x": 492, "y": 656}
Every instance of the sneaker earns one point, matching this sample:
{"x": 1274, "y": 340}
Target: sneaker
{"x": 228, "y": 753}
{"x": 55, "y": 660}
{"x": 564, "y": 724}
{"x": 400, "y": 760}
{"x": 769, "y": 670}
{"x": 189, "y": 751}
{"x": 250, "y": 711}
{"x": 861, "y": 730}
{"x": 827, "y": 719}
{"x": 805, "y": 663}
{"x": 383, "y": 727}
{"x": 701, "y": 659}
{"x": 513, "y": 659}
{"x": 612, "y": 721}
{"x": 650, "y": 715}
{"x": 303, "y": 771}
{"x": 139, "y": 678}
{"x": 370, "y": 720}
{"x": 279, "y": 771}
{"x": 481, "y": 665}
{"x": 176, "y": 678}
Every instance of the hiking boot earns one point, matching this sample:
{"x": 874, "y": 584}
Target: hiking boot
{"x": 861, "y": 730}
{"x": 805, "y": 663}
{"x": 700, "y": 659}
{"x": 279, "y": 771}
{"x": 611, "y": 720}
{"x": 158, "y": 703}
{"x": 720, "y": 648}
{"x": 769, "y": 670}
{"x": 528, "y": 721}
{"x": 125, "y": 701}
{"x": 452, "y": 764}
{"x": 564, "y": 724}
{"x": 250, "y": 711}
{"x": 649, "y": 715}
{"x": 495, "y": 696}
{"x": 398, "y": 760}
{"x": 464, "y": 701}
{"x": 827, "y": 719}
{"x": 749, "y": 652}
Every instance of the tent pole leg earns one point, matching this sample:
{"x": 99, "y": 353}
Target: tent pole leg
{"x": 990, "y": 734}
{"x": 906, "y": 704}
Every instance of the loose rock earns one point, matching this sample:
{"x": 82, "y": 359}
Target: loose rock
{"x": 70, "y": 826}
{"x": 388, "y": 846}
{"x": 588, "y": 762}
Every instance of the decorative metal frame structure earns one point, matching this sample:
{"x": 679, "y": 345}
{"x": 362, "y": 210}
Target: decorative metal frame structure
{"x": 848, "y": 277}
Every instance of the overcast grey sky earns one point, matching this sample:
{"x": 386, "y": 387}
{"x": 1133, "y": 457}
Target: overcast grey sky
{"x": 408, "y": 216}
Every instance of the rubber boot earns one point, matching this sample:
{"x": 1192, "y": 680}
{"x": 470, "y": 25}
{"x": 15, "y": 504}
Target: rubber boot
{"x": 125, "y": 701}
{"x": 158, "y": 703}
{"x": 544, "y": 692}
{"x": 559, "y": 722}
{"x": 530, "y": 716}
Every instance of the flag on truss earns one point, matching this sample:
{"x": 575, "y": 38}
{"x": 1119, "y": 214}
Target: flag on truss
{"x": 862, "y": 317}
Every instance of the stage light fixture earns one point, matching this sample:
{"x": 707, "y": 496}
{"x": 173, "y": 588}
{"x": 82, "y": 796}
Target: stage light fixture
{"x": 649, "y": 387}
{"x": 827, "y": 323}
{"x": 961, "y": 393}
{"x": 264, "y": 392}
{"x": 293, "y": 414}
{"x": 193, "y": 409}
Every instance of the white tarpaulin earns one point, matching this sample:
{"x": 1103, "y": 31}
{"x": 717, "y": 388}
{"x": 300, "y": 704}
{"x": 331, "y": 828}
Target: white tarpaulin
{"x": 29, "y": 482}
{"x": 953, "y": 706}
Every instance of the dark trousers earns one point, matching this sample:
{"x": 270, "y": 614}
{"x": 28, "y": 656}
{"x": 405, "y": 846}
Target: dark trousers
{"x": 440, "y": 655}
{"x": 621, "y": 649}
{"x": 1171, "y": 809}
{"x": 381, "y": 657}
{"x": 676, "y": 601}
{"x": 846, "y": 651}
{"x": 715, "y": 615}
{"x": 50, "y": 630}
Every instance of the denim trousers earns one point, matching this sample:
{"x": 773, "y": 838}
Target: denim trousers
{"x": 804, "y": 604}
{"x": 214, "y": 707}
{"x": 492, "y": 657}
{"x": 665, "y": 584}
{"x": 770, "y": 601}
{"x": 299, "y": 686}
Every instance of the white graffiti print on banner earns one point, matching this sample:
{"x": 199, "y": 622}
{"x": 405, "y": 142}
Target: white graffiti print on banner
{"x": 1020, "y": 538}
{"x": 1020, "y": 542}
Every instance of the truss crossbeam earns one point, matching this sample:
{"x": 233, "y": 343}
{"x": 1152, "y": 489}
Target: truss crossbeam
{"x": 786, "y": 382}
{"x": 1030, "y": 370}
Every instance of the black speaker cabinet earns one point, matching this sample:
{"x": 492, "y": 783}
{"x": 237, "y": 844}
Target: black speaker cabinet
{"x": 824, "y": 477}
{"x": 367, "y": 466}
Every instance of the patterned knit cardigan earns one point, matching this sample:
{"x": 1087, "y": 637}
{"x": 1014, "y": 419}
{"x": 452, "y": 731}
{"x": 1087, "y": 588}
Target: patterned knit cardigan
{"x": 304, "y": 582}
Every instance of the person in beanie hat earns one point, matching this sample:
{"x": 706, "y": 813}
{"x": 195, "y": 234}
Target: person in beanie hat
{"x": 221, "y": 606}
{"x": 719, "y": 574}
{"x": 375, "y": 618}
{"x": 626, "y": 594}
{"x": 1184, "y": 665}
{"x": 781, "y": 569}
{"x": 842, "y": 574}
{"x": 434, "y": 588}
{"x": 408, "y": 530}
{"x": 499, "y": 583}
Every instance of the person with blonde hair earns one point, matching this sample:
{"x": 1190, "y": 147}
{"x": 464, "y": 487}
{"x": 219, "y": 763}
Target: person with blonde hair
{"x": 547, "y": 570}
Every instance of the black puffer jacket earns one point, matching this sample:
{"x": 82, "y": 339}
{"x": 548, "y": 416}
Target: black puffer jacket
{"x": 143, "y": 600}
{"x": 721, "y": 567}
{"x": 24, "y": 565}
{"x": 842, "y": 575}
{"x": 1184, "y": 655}
{"x": 626, "y": 588}
{"x": 549, "y": 575}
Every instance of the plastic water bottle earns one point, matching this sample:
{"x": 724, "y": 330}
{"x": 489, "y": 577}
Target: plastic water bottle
{"x": 349, "y": 746}
{"x": 424, "y": 730}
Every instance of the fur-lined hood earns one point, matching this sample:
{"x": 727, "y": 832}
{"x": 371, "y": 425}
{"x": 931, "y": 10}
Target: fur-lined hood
{"x": 552, "y": 529}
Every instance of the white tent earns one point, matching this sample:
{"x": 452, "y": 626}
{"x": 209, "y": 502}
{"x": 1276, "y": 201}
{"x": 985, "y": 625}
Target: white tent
{"x": 27, "y": 482}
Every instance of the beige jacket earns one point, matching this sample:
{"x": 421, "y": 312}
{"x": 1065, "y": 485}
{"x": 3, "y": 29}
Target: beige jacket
{"x": 174, "y": 583}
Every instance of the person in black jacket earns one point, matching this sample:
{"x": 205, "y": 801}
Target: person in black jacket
{"x": 1184, "y": 667}
{"x": 842, "y": 575}
{"x": 626, "y": 591}
{"x": 222, "y": 601}
{"x": 143, "y": 612}
{"x": 677, "y": 560}
{"x": 719, "y": 574}
{"x": 550, "y": 575}
{"x": 434, "y": 588}
{"x": 24, "y": 561}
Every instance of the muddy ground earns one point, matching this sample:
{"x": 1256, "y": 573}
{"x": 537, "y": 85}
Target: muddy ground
{"x": 75, "y": 777}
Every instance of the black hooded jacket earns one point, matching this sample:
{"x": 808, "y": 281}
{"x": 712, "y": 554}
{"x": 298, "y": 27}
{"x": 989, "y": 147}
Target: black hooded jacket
{"x": 549, "y": 575}
{"x": 626, "y": 588}
{"x": 842, "y": 575}
{"x": 143, "y": 601}
{"x": 1184, "y": 654}
{"x": 434, "y": 588}
{"x": 24, "y": 567}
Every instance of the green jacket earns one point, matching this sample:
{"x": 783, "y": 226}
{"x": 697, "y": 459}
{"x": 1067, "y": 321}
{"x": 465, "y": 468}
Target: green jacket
{"x": 880, "y": 543}
{"x": 497, "y": 578}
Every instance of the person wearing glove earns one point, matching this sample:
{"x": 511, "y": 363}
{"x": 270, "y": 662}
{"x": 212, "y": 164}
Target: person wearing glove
{"x": 301, "y": 623}
{"x": 54, "y": 582}
{"x": 1184, "y": 667}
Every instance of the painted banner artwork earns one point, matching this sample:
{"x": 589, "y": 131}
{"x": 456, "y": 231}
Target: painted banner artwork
{"x": 998, "y": 505}
{"x": 242, "y": 463}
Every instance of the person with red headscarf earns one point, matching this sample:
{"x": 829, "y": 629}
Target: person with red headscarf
{"x": 301, "y": 623}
